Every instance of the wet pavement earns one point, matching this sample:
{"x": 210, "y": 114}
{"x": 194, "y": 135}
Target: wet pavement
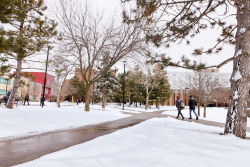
{"x": 24, "y": 149}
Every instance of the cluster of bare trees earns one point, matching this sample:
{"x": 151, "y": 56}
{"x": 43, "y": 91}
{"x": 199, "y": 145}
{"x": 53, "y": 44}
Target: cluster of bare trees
{"x": 205, "y": 87}
{"x": 95, "y": 42}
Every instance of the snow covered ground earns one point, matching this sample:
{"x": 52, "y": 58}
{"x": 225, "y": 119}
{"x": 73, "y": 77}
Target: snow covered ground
{"x": 216, "y": 114}
{"x": 28, "y": 120}
{"x": 142, "y": 108}
{"x": 158, "y": 142}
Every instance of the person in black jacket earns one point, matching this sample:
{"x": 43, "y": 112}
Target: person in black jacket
{"x": 192, "y": 103}
{"x": 26, "y": 98}
{"x": 178, "y": 105}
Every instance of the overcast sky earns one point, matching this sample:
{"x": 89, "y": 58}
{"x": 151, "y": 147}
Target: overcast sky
{"x": 206, "y": 39}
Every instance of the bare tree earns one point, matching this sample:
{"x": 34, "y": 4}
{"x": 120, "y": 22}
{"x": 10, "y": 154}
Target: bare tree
{"x": 203, "y": 87}
{"x": 149, "y": 76}
{"x": 95, "y": 42}
{"x": 62, "y": 69}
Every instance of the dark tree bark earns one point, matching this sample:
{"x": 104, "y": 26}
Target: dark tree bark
{"x": 236, "y": 122}
{"x": 12, "y": 97}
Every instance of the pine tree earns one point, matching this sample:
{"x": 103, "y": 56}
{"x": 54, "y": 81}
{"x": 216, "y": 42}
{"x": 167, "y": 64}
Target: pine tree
{"x": 28, "y": 35}
{"x": 77, "y": 88}
{"x": 107, "y": 86}
{"x": 162, "y": 93}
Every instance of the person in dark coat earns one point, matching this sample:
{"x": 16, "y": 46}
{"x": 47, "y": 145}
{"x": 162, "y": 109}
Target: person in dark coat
{"x": 41, "y": 101}
{"x": 192, "y": 103}
{"x": 9, "y": 93}
{"x": 26, "y": 98}
{"x": 178, "y": 105}
{"x": 5, "y": 98}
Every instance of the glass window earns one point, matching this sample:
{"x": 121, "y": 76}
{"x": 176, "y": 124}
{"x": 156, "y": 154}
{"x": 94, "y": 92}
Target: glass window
{"x": 2, "y": 92}
{"x": 4, "y": 80}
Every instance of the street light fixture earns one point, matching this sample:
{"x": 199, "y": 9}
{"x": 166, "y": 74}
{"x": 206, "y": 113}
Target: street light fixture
{"x": 124, "y": 62}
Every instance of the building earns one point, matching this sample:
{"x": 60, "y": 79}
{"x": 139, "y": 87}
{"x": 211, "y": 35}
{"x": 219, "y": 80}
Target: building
{"x": 79, "y": 75}
{"x": 23, "y": 88}
{"x": 6, "y": 85}
{"x": 49, "y": 86}
{"x": 176, "y": 78}
{"x": 35, "y": 90}
{"x": 179, "y": 86}
{"x": 65, "y": 92}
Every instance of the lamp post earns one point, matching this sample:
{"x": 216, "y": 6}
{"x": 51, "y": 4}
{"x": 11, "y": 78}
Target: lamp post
{"x": 124, "y": 62}
{"x": 45, "y": 76}
{"x": 7, "y": 79}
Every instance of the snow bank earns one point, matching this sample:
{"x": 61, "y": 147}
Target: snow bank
{"x": 28, "y": 120}
{"x": 158, "y": 142}
{"x": 216, "y": 114}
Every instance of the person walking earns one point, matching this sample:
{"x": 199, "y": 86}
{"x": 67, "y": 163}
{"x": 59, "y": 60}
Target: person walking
{"x": 26, "y": 98}
{"x": 179, "y": 108}
{"x": 5, "y": 98}
{"x": 41, "y": 101}
{"x": 192, "y": 103}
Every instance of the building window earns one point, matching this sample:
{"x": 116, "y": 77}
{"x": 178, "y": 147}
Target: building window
{"x": 4, "y": 80}
{"x": 2, "y": 92}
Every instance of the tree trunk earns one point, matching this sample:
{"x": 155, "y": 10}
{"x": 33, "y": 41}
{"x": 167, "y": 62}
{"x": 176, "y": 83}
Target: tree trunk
{"x": 146, "y": 106}
{"x": 104, "y": 101}
{"x": 12, "y": 97}
{"x": 199, "y": 108}
{"x": 236, "y": 121}
{"x": 58, "y": 100}
{"x": 204, "y": 113}
{"x": 128, "y": 100}
{"x": 87, "y": 97}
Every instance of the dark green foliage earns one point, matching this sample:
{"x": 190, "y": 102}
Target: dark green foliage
{"x": 6, "y": 10}
{"x": 76, "y": 88}
{"x": 162, "y": 93}
{"x": 30, "y": 29}
{"x": 167, "y": 22}
{"x": 108, "y": 84}
{"x": 167, "y": 62}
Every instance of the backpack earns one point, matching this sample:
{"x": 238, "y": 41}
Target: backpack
{"x": 182, "y": 104}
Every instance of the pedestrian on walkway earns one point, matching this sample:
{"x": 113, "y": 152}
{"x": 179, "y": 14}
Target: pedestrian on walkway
{"x": 5, "y": 98}
{"x": 26, "y": 98}
{"x": 192, "y": 103}
{"x": 179, "y": 108}
{"x": 41, "y": 101}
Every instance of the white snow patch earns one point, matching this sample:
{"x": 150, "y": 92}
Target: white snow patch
{"x": 31, "y": 120}
{"x": 236, "y": 96}
{"x": 242, "y": 30}
{"x": 216, "y": 114}
{"x": 239, "y": 52}
{"x": 237, "y": 76}
{"x": 158, "y": 142}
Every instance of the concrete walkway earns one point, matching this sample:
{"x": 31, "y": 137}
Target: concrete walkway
{"x": 24, "y": 149}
